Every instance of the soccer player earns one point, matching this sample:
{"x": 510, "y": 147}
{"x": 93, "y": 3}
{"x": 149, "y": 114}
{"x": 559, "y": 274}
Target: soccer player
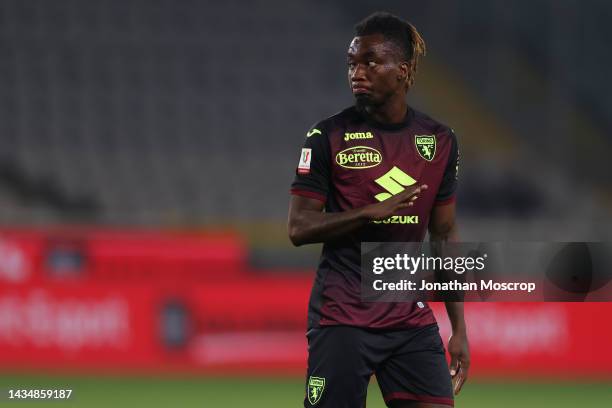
{"x": 377, "y": 171}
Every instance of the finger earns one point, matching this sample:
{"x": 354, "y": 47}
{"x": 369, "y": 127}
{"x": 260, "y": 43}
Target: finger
{"x": 413, "y": 192}
{"x": 461, "y": 377}
{"x": 416, "y": 191}
{"x": 465, "y": 368}
{"x": 454, "y": 366}
{"x": 406, "y": 196}
{"x": 409, "y": 192}
{"x": 455, "y": 383}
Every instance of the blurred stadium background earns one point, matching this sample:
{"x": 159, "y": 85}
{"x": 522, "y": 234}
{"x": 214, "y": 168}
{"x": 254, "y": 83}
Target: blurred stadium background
{"x": 148, "y": 148}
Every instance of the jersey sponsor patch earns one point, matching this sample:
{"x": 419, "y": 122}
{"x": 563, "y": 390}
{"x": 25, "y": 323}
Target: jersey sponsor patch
{"x": 457, "y": 167}
{"x": 359, "y": 157}
{"x": 399, "y": 219}
{"x": 305, "y": 159}
{"x": 394, "y": 181}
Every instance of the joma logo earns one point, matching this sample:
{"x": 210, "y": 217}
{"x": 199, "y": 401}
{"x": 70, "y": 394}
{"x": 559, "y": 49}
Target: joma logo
{"x": 358, "y": 135}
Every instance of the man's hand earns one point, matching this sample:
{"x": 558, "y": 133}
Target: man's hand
{"x": 308, "y": 223}
{"x": 459, "y": 351}
{"x": 390, "y": 206}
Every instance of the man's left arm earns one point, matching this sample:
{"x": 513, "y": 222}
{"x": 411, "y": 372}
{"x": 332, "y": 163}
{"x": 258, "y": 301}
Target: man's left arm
{"x": 442, "y": 228}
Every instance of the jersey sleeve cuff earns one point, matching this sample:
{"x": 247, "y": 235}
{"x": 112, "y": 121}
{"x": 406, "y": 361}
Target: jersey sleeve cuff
{"x": 446, "y": 201}
{"x": 309, "y": 194}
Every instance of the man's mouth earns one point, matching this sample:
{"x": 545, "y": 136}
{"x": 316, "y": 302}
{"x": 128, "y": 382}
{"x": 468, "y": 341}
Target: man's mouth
{"x": 357, "y": 89}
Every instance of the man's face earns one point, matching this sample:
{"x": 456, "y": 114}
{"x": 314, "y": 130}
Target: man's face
{"x": 376, "y": 70}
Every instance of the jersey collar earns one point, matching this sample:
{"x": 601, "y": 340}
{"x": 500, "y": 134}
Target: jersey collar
{"x": 387, "y": 126}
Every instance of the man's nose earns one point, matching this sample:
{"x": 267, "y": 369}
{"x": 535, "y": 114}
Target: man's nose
{"x": 358, "y": 73}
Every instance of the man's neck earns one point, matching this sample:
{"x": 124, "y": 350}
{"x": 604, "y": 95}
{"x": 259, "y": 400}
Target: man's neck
{"x": 389, "y": 113}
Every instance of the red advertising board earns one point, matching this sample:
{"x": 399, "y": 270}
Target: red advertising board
{"x": 32, "y": 256}
{"x": 257, "y": 325}
{"x": 148, "y": 301}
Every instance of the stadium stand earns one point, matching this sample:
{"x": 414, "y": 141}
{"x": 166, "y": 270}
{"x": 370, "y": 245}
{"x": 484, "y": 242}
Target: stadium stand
{"x": 166, "y": 113}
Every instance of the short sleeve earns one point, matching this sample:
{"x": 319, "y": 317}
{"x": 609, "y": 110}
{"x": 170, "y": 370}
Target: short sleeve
{"x": 446, "y": 192}
{"x": 312, "y": 175}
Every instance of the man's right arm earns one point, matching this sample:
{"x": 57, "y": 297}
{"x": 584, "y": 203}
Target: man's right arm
{"x": 309, "y": 224}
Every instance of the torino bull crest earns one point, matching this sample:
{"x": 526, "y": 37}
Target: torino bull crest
{"x": 316, "y": 385}
{"x": 426, "y": 146}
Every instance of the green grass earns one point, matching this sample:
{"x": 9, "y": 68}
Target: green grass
{"x": 94, "y": 392}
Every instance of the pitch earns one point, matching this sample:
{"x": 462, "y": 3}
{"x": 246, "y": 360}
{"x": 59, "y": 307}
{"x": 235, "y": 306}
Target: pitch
{"x": 231, "y": 392}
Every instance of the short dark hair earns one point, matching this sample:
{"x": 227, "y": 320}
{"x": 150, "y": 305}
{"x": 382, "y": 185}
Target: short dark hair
{"x": 400, "y": 32}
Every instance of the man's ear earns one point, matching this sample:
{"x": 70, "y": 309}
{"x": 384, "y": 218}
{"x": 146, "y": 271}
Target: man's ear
{"x": 404, "y": 70}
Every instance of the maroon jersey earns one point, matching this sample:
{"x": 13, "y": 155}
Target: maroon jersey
{"x": 349, "y": 161}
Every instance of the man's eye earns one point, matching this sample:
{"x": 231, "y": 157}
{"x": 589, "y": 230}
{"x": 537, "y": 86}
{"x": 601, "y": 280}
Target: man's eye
{"x": 371, "y": 64}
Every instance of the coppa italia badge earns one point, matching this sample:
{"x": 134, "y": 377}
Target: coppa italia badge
{"x": 305, "y": 159}
{"x": 359, "y": 157}
{"x": 426, "y": 146}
